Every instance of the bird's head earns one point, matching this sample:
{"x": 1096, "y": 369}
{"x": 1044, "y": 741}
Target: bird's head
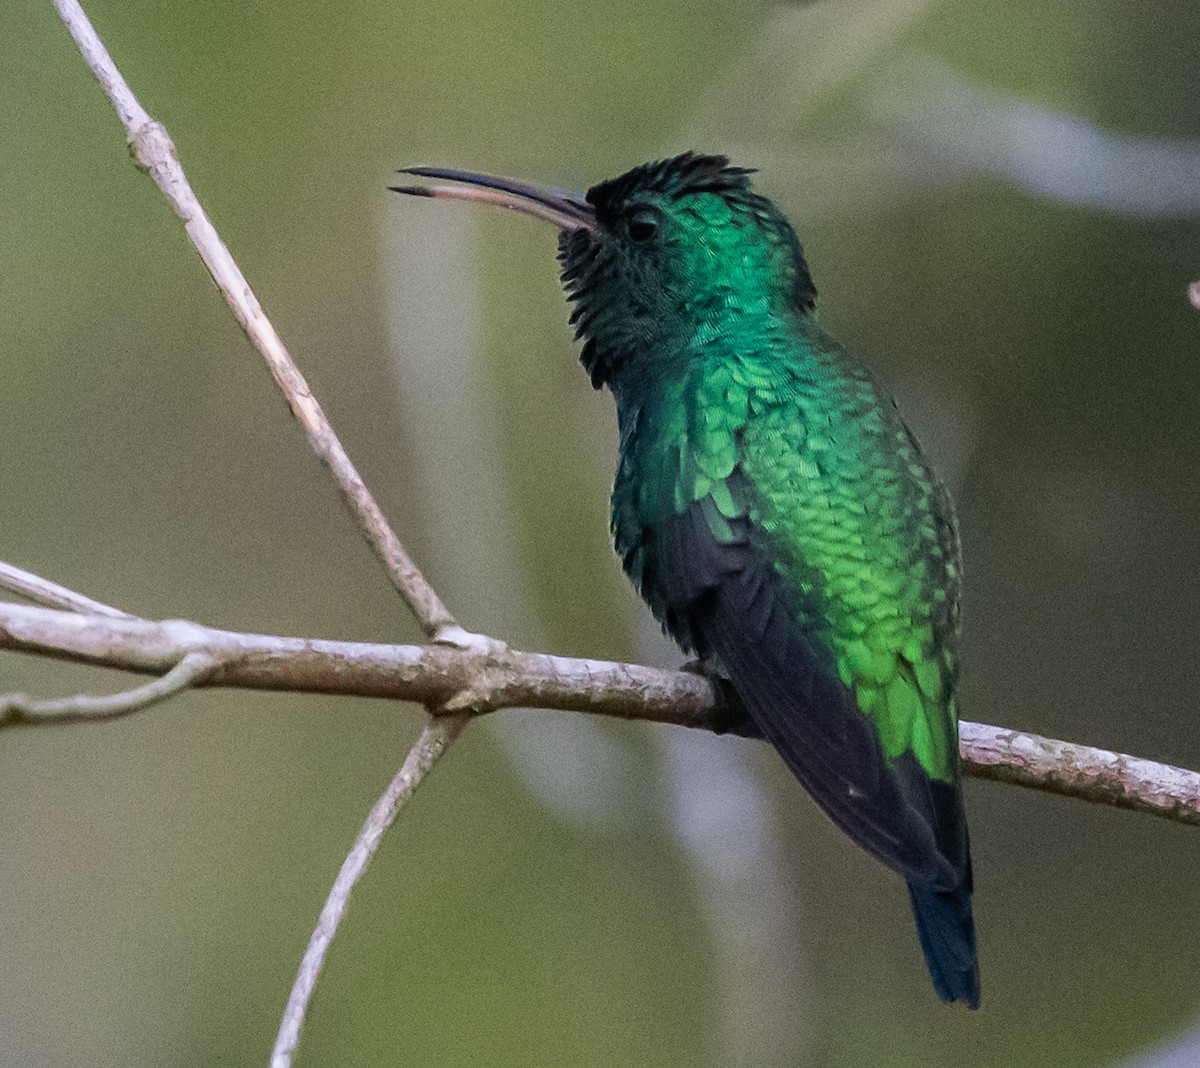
{"x": 652, "y": 256}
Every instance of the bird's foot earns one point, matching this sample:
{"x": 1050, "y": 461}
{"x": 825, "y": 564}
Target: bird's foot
{"x": 730, "y": 716}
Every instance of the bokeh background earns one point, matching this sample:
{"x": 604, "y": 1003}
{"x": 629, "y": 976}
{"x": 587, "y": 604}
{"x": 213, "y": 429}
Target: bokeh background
{"x": 1000, "y": 205}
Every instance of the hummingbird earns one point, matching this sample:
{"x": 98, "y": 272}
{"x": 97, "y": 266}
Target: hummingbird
{"x": 773, "y": 508}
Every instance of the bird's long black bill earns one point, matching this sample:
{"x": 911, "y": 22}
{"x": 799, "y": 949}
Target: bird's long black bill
{"x": 567, "y": 211}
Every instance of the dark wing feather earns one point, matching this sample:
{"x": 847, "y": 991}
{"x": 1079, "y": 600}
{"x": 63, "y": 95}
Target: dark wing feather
{"x": 727, "y": 598}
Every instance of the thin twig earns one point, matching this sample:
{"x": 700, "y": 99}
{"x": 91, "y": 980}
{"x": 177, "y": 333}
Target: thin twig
{"x": 483, "y": 677}
{"x": 154, "y": 150}
{"x": 43, "y": 591}
{"x": 434, "y": 740}
{"x": 16, "y": 709}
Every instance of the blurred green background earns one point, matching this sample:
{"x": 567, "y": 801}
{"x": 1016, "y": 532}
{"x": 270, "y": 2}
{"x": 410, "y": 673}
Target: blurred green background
{"x": 999, "y": 203}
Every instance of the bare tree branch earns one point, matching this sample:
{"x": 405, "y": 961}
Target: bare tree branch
{"x": 434, "y": 741}
{"x": 485, "y": 676}
{"x": 477, "y": 678}
{"x": 154, "y": 151}
{"x": 43, "y": 591}
{"x": 1080, "y": 771}
{"x": 18, "y": 708}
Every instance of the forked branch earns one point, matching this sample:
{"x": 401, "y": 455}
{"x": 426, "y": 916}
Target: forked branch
{"x": 484, "y": 676}
{"x": 154, "y": 151}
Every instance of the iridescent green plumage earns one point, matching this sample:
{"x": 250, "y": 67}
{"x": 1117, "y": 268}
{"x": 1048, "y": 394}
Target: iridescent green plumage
{"x": 778, "y": 516}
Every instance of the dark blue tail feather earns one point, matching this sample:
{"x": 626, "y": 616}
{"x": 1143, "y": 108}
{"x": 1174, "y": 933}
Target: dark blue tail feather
{"x": 946, "y": 929}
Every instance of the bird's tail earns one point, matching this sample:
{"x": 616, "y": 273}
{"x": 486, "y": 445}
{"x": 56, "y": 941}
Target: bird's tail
{"x": 946, "y": 928}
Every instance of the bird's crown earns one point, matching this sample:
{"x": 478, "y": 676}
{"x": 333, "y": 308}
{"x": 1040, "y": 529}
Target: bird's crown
{"x": 676, "y": 177}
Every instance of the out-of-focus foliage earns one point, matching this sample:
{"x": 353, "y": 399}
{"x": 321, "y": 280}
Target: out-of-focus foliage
{"x": 158, "y": 877}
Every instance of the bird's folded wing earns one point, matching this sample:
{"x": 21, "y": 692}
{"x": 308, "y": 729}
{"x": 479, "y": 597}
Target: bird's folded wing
{"x": 788, "y": 681}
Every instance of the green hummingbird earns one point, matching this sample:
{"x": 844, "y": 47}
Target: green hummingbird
{"x": 773, "y": 508}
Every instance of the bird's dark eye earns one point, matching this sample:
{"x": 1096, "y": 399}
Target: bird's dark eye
{"x": 642, "y": 225}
